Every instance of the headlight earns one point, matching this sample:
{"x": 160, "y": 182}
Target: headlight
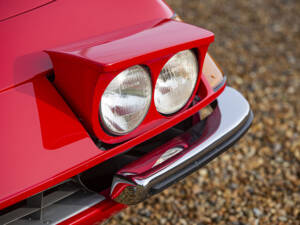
{"x": 126, "y": 100}
{"x": 176, "y": 82}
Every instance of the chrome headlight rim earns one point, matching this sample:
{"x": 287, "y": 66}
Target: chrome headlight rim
{"x": 100, "y": 114}
{"x": 195, "y": 85}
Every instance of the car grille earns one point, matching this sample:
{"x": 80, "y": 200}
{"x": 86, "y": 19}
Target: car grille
{"x": 51, "y": 206}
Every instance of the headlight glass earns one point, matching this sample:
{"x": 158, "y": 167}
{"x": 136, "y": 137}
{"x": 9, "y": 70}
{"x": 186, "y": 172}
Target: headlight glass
{"x": 126, "y": 100}
{"x": 176, "y": 82}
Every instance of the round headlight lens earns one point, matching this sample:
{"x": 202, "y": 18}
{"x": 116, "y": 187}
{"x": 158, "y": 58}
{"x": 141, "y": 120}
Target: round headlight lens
{"x": 176, "y": 82}
{"x": 126, "y": 100}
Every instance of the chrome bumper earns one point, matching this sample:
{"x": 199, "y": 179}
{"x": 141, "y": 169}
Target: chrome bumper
{"x": 184, "y": 154}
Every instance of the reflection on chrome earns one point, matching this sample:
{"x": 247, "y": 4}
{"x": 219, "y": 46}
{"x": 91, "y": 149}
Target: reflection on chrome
{"x": 230, "y": 119}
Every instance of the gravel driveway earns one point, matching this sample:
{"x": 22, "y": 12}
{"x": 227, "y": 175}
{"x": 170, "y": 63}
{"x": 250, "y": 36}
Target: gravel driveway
{"x": 258, "y": 180}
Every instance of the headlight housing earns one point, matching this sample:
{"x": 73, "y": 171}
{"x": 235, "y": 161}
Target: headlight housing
{"x": 126, "y": 100}
{"x": 85, "y": 69}
{"x": 176, "y": 82}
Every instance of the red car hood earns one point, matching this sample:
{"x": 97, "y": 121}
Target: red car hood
{"x": 23, "y": 38}
{"x": 12, "y": 8}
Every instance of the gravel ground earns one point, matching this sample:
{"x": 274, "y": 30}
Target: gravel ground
{"x": 256, "y": 181}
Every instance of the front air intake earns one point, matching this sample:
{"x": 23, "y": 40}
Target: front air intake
{"x": 51, "y": 206}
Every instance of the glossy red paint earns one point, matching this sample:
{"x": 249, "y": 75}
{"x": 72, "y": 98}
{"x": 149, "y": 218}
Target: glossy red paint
{"x": 83, "y": 72}
{"x": 41, "y": 138}
{"x": 54, "y": 153}
{"x": 108, "y": 56}
{"x": 24, "y": 38}
{"x": 95, "y": 214}
{"x": 12, "y": 8}
{"x": 42, "y": 141}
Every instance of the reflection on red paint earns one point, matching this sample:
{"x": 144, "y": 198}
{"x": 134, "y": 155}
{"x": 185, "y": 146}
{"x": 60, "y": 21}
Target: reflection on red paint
{"x": 54, "y": 114}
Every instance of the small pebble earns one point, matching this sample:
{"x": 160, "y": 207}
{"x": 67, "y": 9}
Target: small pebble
{"x": 257, "y": 212}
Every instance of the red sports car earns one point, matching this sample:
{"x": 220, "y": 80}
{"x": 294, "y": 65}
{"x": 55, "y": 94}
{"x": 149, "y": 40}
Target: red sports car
{"x": 104, "y": 104}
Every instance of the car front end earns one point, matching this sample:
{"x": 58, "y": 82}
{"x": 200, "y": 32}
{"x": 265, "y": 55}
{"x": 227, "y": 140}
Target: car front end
{"x": 96, "y": 120}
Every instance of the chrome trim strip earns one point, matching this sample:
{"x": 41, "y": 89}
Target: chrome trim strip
{"x": 235, "y": 112}
{"x": 233, "y": 116}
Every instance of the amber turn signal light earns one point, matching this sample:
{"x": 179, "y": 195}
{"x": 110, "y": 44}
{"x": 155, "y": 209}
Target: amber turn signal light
{"x": 211, "y": 71}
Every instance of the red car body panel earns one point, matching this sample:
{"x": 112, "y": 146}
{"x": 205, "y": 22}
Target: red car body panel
{"x": 24, "y": 38}
{"x": 95, "y": 214}
{"x": 83, "y": 71}
{"x": 13, "y": 8}
{"x": 41, "y": 131}
{"x": 42, "y": 141}
{"x": 28, "y": 134}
